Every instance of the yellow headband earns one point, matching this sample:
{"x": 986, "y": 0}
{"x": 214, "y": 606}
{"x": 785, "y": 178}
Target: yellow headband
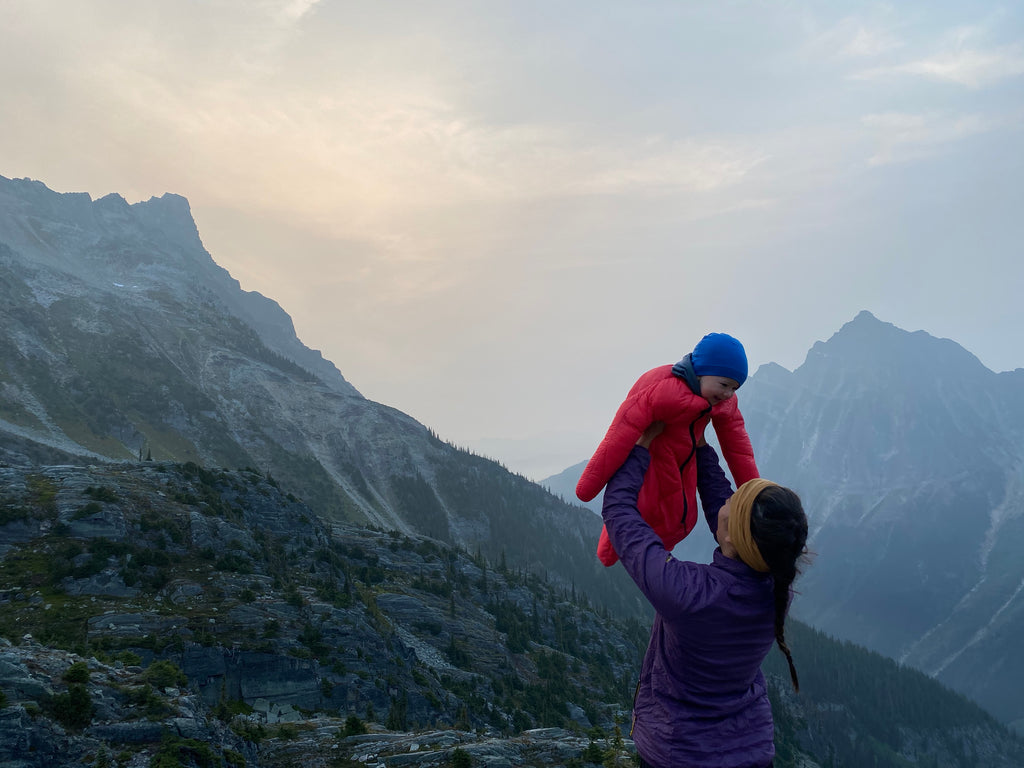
{"x": 739, "y": 523}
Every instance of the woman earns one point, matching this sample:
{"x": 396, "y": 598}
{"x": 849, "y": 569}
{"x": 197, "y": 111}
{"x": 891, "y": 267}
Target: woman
{"x": 702, "y": 701}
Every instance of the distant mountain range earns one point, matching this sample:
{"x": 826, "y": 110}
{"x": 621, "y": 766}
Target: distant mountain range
{"x": 563, "y": 485}
{"x": 909, "y": 456}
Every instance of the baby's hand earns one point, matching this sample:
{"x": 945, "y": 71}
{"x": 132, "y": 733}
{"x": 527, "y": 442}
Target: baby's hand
{"x": 656, "y": 428}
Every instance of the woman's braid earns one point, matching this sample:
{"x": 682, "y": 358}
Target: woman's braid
{"x": 779, "y": 528}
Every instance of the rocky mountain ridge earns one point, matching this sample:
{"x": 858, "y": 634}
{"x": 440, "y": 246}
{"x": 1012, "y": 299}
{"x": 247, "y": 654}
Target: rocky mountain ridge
{"x": 124, "y": 339}
{"x": 83, "y": 247}
{"x": 270, "y": 614}
{"x": 909, "y": 455}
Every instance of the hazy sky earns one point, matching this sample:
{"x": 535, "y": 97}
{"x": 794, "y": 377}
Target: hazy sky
{"x": 495, "y": 215}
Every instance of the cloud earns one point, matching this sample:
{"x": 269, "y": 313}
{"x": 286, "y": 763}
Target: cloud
{"x": 971, "y": 68}
{"x": 962, "y": 57}
{"x": 903, "y": 137}
{"x": 294, "y": 10}
{"x": 650, "y": 164}
{"x": 268, "y": 113}
{"x": 853, "y": 37}
{"x": 361, "y": 160}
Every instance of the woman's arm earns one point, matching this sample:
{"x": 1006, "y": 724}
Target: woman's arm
{"x": 734, "y": 440}
{"x": 671, "y": 586}
{"x": 712, "y": 485}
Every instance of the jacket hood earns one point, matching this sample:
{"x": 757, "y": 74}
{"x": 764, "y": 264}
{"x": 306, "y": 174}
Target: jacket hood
{"x": 684, "y": 370}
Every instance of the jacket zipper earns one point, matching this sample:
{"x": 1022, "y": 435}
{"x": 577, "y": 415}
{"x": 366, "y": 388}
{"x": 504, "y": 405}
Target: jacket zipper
{"x": 693, "y": 450}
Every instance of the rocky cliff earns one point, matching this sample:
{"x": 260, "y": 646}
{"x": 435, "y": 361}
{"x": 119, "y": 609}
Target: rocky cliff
{"x": 123, "y": 339}
{"x": 270, "y": 614}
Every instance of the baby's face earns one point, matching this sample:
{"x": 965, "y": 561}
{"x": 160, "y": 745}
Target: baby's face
{"x": 717, "y": 389}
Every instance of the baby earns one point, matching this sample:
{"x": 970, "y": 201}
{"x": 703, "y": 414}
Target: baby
{"x": 686, "y": 396}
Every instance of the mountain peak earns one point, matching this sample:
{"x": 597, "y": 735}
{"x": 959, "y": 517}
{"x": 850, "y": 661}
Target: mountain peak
{"x": 864, "y": 316}
{"x": 768, "y": 370}
{"x": 877, "y": 348}
{"x": 171, "y": 215}
{"x": 113, "y": 200}
{"x": 865, "y": 324}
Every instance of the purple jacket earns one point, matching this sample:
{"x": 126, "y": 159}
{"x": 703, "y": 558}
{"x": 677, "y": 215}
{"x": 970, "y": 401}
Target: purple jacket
{"x": 702, "y": 700}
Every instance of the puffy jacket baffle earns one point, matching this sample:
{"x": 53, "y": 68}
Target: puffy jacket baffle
{"x": 668, "y": 497}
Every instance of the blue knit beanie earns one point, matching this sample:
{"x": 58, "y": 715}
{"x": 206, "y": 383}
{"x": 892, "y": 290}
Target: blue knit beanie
{"x": 719, "y": 354}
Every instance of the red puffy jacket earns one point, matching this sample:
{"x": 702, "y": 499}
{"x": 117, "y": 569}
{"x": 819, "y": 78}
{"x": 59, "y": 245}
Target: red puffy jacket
{"x": 668, "y": 497}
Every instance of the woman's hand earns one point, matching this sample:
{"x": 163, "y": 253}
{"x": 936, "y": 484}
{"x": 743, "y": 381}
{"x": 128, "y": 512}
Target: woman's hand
{"x": 656, "y": 428}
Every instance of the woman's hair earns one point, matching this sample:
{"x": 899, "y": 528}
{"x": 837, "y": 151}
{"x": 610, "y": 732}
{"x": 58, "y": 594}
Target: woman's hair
{"x": 778, "y": 526}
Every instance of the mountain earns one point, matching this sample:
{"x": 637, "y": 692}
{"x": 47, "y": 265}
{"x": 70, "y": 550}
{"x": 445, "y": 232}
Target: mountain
{"x": 909, "y": 456}
{"x": 261, "y": 609}
{"x": 123, "y": 339}
{"x": 563, "y": 485}
{"x": 206, "y": 531}
{"x": 168, "y": 614}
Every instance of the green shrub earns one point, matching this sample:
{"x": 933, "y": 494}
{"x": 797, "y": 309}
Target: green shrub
{"x": 593, "y": 754}
{"x": 128, "y": 658}
{"x": 101, "y": 493}
{"x": 153, "y": 705}
{"x": 353, "y": 726}
{"x": 233, "y": 563}
{"x": 87, "y": 510}
{"x": 176, "y": 752}
{"x": 10, "y": 513}
{"x": 102, "y": 758}
{"x": 77, "y": 673}
{"x": 164, "y": 674}
{"x": 227, "y": 709}
{"x": 254, "y": 732}
{"x": 72, "y": 709}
